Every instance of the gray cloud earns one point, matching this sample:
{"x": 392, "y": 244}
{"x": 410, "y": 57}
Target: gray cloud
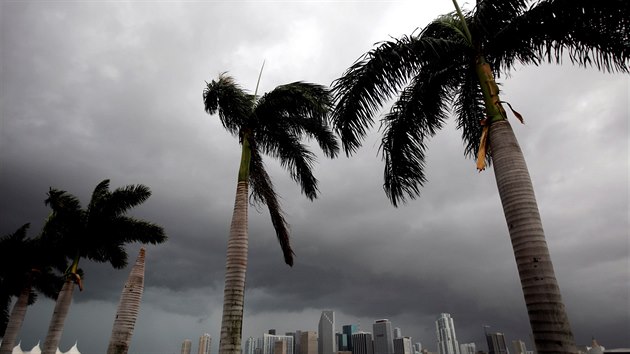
{"x": 113, "y": 90}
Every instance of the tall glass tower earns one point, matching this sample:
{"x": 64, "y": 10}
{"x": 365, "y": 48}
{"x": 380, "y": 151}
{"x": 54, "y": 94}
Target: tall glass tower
{"x": 383, "y": 341}
{"x": 445, "y": 330}
{"x": 326, "y": 341}
{"x": 204, "y": 344}
{"x": 349, "y": 330}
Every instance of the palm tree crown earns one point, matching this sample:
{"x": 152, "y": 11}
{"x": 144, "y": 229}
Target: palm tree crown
{"x": 275, "y": 124}
{"x": 100, "y": 231}
{"x": 436, "y": 69}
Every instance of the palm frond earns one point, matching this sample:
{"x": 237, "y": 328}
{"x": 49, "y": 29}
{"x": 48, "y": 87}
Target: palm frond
{"x": 124, "y": 198}
{"x": 300, "y": 108}
{"x": 232, "y": 103}
{"x": 469, "y": 110}
{"x": 377, "y": 76}
{"x": 590, "y": 33}
{"x": 263, "y": 192}
{"x": 294, "y": 157}
{"x": 417, "y": 115}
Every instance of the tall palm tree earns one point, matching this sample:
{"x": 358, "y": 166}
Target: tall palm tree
{"x": 128, "y": 308}
{"x": 98, "y": 233}
{"x": 26, "y": 268}
{"x": 454, "y": 60}
{"x": 273, "y": 124}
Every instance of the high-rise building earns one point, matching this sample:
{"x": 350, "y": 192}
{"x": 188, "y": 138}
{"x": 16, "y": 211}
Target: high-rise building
{"x": 204, "y": 344}
{"x": 326, "y": 329}
{"x": 402, "y": 345}
{"x": 342, "y": 342}
{"x": 308, "y": 343}
{"x": 186, "y": 346}
{"x": 417, "y": 347}
{"x": 269, "y": 343}
{"x": 349, "y": 330}
{"x": 397, "y": 332}
{"x": 519, "y": 347}
{"x": 297, "y": 342}
{"x": 445, "y": 330}
{"x": 383, "y": 343}
{"x": 468, "y": 348}
{"x": 280, "y": 347}
{"x": 496, "y": 343}
{"x": 250, "y": 346}
{"x": 362, "y": 342}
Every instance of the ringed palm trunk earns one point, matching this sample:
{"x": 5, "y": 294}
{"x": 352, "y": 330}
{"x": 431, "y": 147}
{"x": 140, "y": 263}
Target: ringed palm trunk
{"x": 236, "y": 263}
{"x": 128, "y": 309}
{"x": 62, "y": 307}
{"x": 547, "y": 314}
{"x": 17, "y": 318}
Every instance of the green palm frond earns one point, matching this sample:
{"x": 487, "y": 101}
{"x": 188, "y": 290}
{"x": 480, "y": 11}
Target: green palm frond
{"x": 469, "y": 110}
{"x": 294, "y": 157}
{"x": 417, "y": 115}
{"x": 301, "y": 109}
{"x": 232, "y": 103}
{"x": 379, "y": 74}
{"x": 588, "y": 32}
{"x": 263, "y": 192}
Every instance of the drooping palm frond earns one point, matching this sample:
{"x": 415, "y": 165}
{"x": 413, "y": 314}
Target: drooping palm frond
{"x": 263, "y": 192}
{"x": 231, "y": 101}
{"x": 376, "y": 77}
{"x": 294, "y": 156}
{"x": 588, "y": 32}
{"x": 301, "y": 109}
{"x": 469, "y": 109}
{"x": 417, "y": 115}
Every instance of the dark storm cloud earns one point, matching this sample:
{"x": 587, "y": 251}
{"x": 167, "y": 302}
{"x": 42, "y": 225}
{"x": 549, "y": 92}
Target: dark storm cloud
{"x": 113, "y": 90}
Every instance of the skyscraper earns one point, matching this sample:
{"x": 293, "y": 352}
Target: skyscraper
{"x": 445, "y": 330}
{"x": 496, "y": 343}
{"x": 204, "y": 344}
{"x": 417, "y": 347}
{"x": 186, "y": 346}
{"x": 397, "y": 332}
{"x": 468, "y": 348}
{"x": 383, "y": 343}
{"x": 342, "y": 342}
{"x": 326, "y": 328}
{"x": 362, "y": 342}
{"x": 519, "y": 347}
{"x": 308, "y": 343}
{"x": 269, "y": 343}
{"x": 402, "y": 345}
{"x": 250, "y": 346}
{"x": 349, "y": 330}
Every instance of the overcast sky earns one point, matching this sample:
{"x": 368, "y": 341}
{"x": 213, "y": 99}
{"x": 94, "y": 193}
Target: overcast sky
{"x": 112, "y": 89}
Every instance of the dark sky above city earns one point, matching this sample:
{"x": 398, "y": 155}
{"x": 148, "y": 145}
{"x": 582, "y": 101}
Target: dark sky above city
{"x": 112, "y": 89}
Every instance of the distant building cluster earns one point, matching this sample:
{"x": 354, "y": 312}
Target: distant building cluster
{"x": 383, "y": 339}
{"x": 205, "y": 341}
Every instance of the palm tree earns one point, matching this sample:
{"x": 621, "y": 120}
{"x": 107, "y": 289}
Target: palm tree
{"x": 128, "y": 308}
{"x": 454, "y": 61}
{"x": 98, "y": 233}
{"x": 273, "y": 124}
{"x": 26, "y": 266}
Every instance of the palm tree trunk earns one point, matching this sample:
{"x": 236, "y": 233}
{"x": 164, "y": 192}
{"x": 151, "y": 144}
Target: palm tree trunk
{"x": 62, "y": 307}
{"x": 15, "y": 321}
{"x": 547, "y": 315}
{"x": 235, "y": 269}
{"x": 128, "y": 309}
